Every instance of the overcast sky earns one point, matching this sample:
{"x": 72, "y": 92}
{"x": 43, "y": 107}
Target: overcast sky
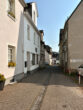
{"x": 52, "y": 16}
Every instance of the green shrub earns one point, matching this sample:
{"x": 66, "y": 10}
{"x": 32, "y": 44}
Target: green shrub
{"x": 2, "y": 78}
{"x": 11, "y": 64}
{"x": 10, "y": 13}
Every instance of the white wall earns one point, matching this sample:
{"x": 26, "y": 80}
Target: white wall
{"x": 34, "y": 10}
{"x": 48, "y": 58}
{"x": 29, "y": 45}
{"x": 11, "y": 33}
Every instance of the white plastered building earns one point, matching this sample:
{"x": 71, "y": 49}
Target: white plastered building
{"x": 11, "y": 39}
{"x": 31, "y": 38}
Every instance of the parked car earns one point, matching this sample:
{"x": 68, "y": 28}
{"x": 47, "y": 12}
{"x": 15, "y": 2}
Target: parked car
{"x": 80, "y": 70}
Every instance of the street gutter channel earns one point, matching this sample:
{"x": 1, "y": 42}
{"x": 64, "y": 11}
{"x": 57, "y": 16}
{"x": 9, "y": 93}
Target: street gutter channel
{"x": 39, "y": 100}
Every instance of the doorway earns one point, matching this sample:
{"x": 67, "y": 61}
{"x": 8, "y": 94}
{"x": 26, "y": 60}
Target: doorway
{"x": 28, "y": 61}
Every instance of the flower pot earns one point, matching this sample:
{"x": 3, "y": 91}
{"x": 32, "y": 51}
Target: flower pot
{"x": 2, "y": 85}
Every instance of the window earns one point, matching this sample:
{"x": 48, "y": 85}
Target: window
{"x": 33, "y": 59}
{"x": 34, "y": 38}
{"x": 11, "y": 8}
{"x": 35, "y": 49}
{"x": 37, "y": 59}
{"x": 28, "y": 32}
{"x": 11, "y": 54}
{"x": 25, "y": 63}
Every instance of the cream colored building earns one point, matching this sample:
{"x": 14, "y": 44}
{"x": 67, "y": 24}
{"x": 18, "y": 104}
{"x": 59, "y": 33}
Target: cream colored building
{"x": 71, "y": 42}
{"x": 11, "y": 39}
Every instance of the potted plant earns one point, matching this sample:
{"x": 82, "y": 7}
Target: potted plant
{"x": 2, "y": 81}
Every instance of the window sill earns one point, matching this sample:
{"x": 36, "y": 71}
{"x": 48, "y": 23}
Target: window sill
{"x": 11, "y": 66}
{"x": 35, "y": 65}
{"x": 14, "y": 19}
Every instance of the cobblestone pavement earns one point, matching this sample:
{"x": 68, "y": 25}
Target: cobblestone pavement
{"x": 62, "y": 93}
{"x": 21, "y": 96}
{"x": 46, "y": 89}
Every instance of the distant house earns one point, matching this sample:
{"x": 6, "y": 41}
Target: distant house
{"x": 48, "y": 55}
{"x": 42, "y": 50}
{"x": 71, "y": 40}
{"x": 31, "y": 38}
{"x": 55, "y": 58}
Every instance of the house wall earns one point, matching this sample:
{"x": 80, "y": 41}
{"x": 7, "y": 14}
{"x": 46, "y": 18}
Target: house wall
{"x": 34, "y": 10}
{"x": 48, "y": 58}
{"x": 42, "y": 53}
{"x": 53, "y": 61}
{"x": 29, "y": 45}
{"x": 11, "y": 33}
{"x": 75, "y": 38}
{"x": 61, "y": 55}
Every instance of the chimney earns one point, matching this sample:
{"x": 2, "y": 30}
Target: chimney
{"x": 42, "y": 34}
{"x": 28, "y": 8}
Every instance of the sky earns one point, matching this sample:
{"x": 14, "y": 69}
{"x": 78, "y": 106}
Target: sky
{"x": 52, "y": 16}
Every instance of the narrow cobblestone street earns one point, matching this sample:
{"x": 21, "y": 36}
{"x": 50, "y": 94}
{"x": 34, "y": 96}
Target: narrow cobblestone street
{"x": 46, "y": 89}
{"x": 62, "y": 93}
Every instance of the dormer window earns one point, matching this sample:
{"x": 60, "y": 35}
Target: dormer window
{"x": 11, "y": 8}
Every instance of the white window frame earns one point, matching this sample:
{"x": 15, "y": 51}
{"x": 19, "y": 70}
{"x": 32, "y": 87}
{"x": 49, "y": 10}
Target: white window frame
{"x": 10, "y": 54}
{"x": 11, "y": 8}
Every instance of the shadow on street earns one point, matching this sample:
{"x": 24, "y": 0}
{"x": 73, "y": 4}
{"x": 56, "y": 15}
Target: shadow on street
{"x": 52, "y": 73}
